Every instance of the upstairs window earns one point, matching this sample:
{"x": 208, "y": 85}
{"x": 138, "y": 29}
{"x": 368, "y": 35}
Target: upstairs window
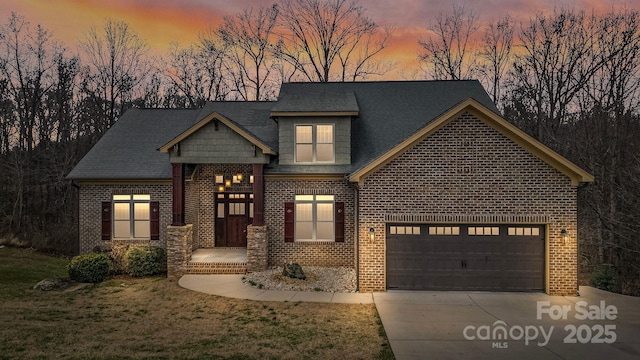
{"x": 314, "y": 144}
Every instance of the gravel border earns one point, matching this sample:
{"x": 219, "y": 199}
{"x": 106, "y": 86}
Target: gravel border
{"x": 327, "y": 279}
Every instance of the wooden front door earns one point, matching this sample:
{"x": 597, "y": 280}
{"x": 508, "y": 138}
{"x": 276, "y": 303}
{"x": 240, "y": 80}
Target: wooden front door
{"x": 234, "y": 211}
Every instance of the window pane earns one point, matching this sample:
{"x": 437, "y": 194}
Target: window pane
{"x": 251, "y": 210}
{"x": 304, "y": 153}
{"x": 304, "y": 212}
{"x": 324, "y": 134}
{"x": 535, "y": 231}
{"x": 512, "y": 231}
{"x": 141, "y": 211}
{"x": 325, "y": 212}
{"x": 304, "y": 134}
{"x": 121, "y": 211}
{"x": 141, "y": 229}
{"x": 141, "y": 197}
{"x": 416, "y": 230}
{"x": 241, "y": 209}
{"x": 121, "y": 197}
{"x": 495, "y": 231}
{"x": 324, "y": 231}
{"x": 304, "y": 197}
{"x": 324, "y": 152}
{"x": 392, "y": 230}
{"x": 304, "y": 230}
{"x": 121, "y": 229}
{"x": 455, "y": 231}
{"x": 220, "y": 211}
{"x": 324, "y": 197}
{"x": 527, "y": 231}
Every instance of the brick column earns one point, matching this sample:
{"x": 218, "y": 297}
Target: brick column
{"x": 256, "y": 248}
{"x": 179, "y": 248}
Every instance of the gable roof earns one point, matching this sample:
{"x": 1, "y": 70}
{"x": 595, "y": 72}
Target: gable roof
{"x": 249, "y": 119}
{"x": 575, "y": 173}
{"x": 128, "y": 150}
{"x": 389, "y": 112}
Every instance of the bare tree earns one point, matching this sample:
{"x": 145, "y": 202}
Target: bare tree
{"x": 497, "y": 42}
{"x": 117, "y": 64}
{"x": 325, "y": 40}
{"x": 198, "y": 73}
{"x": 249, "y": 41}
{"x": 557, "y": 59}
{"x": 447, "y": 54}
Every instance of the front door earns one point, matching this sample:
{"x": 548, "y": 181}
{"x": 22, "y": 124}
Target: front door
{"x": 234, "y": 211}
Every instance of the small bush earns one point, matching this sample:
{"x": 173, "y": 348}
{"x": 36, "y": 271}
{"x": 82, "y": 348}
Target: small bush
{"x": 145, "y": 260}
{"x": 605, "y": 278}
{"x": 91, "y": 268}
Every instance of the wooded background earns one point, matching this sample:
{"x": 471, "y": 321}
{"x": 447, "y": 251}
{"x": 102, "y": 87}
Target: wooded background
{"x": 569, "y": 78}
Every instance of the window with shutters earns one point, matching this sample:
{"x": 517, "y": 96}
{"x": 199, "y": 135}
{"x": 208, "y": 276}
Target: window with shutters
{"x": 133, "y": 217}
{"x": 314, "y": 144}
{"x": 314, "y": 218}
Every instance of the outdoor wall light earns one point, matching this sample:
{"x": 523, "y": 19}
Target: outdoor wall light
{"x": 565, "y": 236}
{"x": 239, "y": 177}
{"x": 227, "y": 183}
{"x": 372, "y": 234}
{"x": 220, "y": 188}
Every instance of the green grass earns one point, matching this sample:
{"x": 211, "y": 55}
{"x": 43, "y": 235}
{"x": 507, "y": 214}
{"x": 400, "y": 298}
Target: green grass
{"x": 21, "y": 269}
{"x": 154, "y": 318}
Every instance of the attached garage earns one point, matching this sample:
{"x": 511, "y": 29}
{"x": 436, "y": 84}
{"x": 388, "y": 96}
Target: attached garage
{"x": 465, "y": 257}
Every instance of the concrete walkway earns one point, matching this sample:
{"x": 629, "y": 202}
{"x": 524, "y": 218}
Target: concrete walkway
{"x": 231, "y": 286}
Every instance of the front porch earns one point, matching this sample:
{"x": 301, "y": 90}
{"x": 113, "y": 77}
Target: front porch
{"x": 230, "y": 260}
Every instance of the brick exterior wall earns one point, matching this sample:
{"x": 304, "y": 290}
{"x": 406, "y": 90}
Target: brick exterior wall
{"x": 469, "y": 169}
{"x": 279, "y": 191}
{"x": 89, "y": 218}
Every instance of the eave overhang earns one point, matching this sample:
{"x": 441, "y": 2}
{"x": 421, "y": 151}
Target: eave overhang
{"x": 229, "y": 123}
{"x": 557, "y": 161}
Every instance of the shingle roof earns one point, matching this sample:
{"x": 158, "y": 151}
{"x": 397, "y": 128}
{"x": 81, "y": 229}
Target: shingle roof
{"x": 129, "y": 149}
{"x": 316, "y": 99}
{"x": 389, "y": 112}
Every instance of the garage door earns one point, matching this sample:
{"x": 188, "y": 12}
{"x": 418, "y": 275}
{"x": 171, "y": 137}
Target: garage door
{"x": 465, "y": 257}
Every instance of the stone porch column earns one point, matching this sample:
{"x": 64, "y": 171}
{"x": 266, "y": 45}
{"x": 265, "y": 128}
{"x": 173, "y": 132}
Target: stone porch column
{"x": 258, "y": 195}
{"x": 179, "y": 248}
{"x": 257, "y": 256}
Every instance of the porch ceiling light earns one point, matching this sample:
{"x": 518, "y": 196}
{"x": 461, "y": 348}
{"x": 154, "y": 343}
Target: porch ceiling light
{"x": 220, "y": 188}
{"x": 227, "y": 183}
{"x": 239, "y": 177}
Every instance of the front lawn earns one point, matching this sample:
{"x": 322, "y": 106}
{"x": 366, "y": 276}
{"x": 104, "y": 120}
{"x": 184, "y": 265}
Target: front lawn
{"x": 154, "y": 318}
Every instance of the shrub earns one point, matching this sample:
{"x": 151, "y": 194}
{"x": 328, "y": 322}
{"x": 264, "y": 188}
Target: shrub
{"x": 605, "y": 278}
{"x": 91, "y": 268}
{"x": 145, "y": 260}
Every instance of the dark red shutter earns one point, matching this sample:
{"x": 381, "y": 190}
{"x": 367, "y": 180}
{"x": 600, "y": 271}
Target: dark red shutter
{"x": 106, "y": 220}
{"x": 155, "y": 220}
{"x": 339, "y": 221}
{"x": 289, "y": 221}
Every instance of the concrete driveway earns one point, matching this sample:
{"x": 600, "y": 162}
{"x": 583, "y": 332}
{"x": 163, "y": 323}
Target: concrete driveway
{"x": 482, "y": 325}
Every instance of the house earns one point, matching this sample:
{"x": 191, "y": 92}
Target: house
{"x": 415, "y": 184}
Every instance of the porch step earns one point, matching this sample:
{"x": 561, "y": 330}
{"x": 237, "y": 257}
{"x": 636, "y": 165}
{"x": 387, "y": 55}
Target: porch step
{"x": 218, "y": 261}
{"x": 216, "y": 268}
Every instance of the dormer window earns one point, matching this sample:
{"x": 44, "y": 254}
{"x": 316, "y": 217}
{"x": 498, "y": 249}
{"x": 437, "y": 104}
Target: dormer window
{"x": 314, "y": 144}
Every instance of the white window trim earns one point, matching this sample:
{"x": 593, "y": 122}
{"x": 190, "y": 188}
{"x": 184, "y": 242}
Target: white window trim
{"x": 120, "y": 199}
{"x": 314, "y": 217}
{"x": 314, "y": 144}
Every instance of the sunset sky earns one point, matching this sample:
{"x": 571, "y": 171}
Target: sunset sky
{"x": 161, "y": 22}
